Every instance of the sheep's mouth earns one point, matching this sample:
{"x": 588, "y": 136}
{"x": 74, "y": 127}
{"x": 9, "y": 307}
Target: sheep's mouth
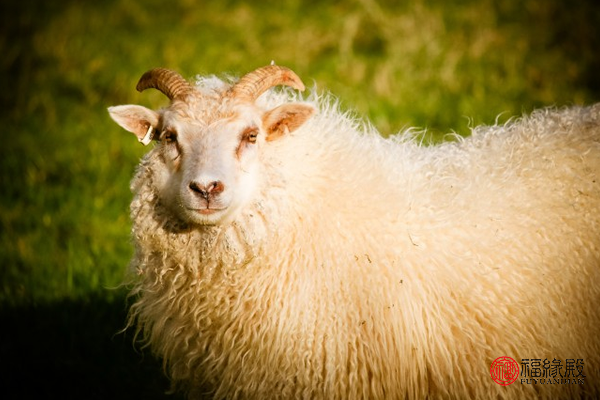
{"x": 206, "y": 211}
{"x": 205, "y": 215}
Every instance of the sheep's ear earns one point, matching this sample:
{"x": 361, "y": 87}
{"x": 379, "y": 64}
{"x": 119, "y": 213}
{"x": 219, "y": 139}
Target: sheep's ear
{"x": 139, "y": 120}
{"x": 286, "y": 118}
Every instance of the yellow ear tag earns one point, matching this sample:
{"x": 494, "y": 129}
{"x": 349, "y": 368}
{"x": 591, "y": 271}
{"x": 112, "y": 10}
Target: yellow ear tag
{"x": 147, "y": 137}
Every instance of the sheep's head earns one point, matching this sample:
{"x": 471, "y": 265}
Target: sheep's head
{"x": 209, "y": 144}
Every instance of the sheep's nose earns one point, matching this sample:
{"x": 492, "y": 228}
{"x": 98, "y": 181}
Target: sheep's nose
{"x": 206, "y": 190}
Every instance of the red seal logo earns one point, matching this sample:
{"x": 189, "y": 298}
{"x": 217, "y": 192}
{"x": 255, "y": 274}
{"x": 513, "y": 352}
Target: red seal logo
{"x": 504, "y": 371}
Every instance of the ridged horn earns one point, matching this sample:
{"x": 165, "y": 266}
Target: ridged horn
{"x": 255, "y": 83}
{"x": 173, "y": 85}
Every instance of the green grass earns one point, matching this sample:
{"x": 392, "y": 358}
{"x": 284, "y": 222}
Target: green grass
{"x": 65, "y": 166}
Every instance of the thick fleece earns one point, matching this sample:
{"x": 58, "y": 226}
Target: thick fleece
{"x": 378, "y": 268}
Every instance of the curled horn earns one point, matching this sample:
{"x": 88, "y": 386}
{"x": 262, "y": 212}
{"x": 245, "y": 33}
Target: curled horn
{"x": 255, "y": 83}
{"x": 173, "y": 85}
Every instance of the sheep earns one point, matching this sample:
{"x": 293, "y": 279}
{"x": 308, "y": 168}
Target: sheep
{"x": 284, "y": 249}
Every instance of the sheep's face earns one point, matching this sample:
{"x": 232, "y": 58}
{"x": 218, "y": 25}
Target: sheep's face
{"x": 210, "y": 164}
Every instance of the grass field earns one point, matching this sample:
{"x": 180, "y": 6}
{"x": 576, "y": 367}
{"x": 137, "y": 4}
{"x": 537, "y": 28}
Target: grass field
{"x": 65, "y": 166}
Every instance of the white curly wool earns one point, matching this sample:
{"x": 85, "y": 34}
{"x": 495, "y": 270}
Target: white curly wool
{"x": 372, "y": 268}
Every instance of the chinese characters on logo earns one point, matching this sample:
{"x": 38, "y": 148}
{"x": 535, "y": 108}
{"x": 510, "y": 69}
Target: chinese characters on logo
{"x": 505, "y": 371}
{"x": 536, "y": 370}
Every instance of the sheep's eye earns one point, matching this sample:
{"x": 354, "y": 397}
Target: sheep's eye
{"x": 169, "y": 136}
{"x": 250, "y": 134}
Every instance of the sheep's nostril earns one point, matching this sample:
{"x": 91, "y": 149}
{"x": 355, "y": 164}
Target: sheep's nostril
{"x": 211, "y": 189}
{"x": 216, "y": 187}
{"x": 199, "y": 189}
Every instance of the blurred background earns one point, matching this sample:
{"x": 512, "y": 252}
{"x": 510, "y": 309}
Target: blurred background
{"x": 65, "y": 166}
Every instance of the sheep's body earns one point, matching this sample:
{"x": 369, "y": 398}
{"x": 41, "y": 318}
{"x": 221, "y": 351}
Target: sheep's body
{"x": 377, "y": 268}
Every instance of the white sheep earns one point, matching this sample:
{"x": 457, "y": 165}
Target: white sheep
{"x": 285, "y": 250}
